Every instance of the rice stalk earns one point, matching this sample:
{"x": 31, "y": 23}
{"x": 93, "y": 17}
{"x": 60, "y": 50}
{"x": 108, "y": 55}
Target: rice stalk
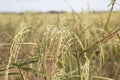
{"x": 101, "y": 54}
{"x": 109, "y": 16}
{"x": 83, "y": 68}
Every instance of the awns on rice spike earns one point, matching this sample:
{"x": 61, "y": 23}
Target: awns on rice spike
{"x": 15, "y": 47}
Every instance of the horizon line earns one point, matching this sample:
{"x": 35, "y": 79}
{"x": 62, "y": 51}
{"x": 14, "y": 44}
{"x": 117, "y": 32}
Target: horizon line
{"x": 54, "y": 11}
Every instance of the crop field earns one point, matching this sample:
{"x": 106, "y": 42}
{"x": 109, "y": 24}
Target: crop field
{"x": 60, "y": 46}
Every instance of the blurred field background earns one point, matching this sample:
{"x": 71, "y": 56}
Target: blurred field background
{"x": 53, "y": 46}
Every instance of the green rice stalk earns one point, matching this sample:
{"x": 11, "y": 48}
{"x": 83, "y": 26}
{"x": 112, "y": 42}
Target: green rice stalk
{"x": 109, "y": 16}
{"x": 84, "y": 67}
{"x": 101, "y": 55}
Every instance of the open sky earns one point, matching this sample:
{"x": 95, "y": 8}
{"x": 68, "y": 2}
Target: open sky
{"x": 54, "y": 5}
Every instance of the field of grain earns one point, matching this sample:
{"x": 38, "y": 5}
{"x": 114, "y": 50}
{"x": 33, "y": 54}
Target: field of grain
{"x": 60, "y": 46}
